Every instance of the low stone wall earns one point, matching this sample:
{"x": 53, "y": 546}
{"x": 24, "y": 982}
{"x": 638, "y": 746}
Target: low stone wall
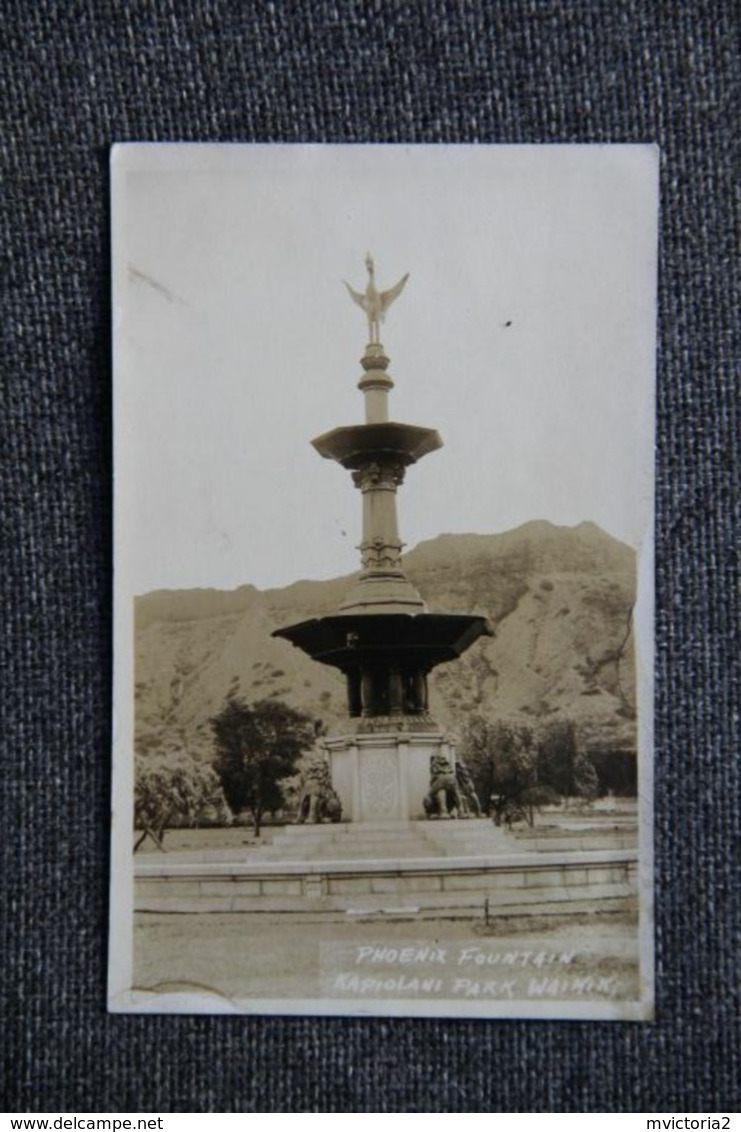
{"x": 524, "y": 881}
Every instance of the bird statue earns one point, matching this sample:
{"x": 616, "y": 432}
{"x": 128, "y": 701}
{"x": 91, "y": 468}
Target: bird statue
{"x": 375, "y": 303}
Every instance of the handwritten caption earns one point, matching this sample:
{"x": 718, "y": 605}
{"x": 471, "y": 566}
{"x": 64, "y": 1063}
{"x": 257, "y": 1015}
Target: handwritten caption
{"x": 462, "y": 971}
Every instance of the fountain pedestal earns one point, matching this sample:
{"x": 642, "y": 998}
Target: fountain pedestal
{"x": 384, "y": 775}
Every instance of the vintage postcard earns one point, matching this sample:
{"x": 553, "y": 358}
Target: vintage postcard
{"x": 384, "y": 422}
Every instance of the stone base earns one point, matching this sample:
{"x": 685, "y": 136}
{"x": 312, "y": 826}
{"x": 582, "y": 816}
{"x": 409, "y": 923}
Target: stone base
{"x": 384, "y": 776}
{"x": 521, "y": 884}
{"x": 411, "y": 870}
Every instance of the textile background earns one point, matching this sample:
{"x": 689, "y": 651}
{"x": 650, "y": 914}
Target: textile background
{"x": 79, "y": 75}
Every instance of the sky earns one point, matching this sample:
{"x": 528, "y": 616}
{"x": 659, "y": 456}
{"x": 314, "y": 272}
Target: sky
{"x": 525, "y": 335}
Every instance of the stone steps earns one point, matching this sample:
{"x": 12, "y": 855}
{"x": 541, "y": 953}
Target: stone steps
{"x": 384, "y": 840}
{"x": 373, "y": 841}
{"x": 448, "y": 868}
{"x": 571, "y": 844}
{"x": 426, "y": 839}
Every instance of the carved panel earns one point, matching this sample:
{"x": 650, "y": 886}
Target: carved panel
{"x": 379, "y": 789}
{"x": 378, "y": 554}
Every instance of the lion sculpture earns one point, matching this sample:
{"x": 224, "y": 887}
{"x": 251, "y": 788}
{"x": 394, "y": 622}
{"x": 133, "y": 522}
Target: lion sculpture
{"x": 452, "y": 793}
{"x": 318, "y": 800}
{"x": 443, "y": 800}
{"x": 467, "y": 790}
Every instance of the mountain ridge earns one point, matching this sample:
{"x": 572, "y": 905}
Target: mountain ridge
{"x": 560, "y": 599}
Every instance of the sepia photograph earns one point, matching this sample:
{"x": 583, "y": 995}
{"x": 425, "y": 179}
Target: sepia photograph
{"x": 384, "y": 505}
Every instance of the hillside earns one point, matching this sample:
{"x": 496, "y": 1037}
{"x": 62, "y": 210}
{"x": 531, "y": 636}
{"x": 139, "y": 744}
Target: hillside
{"x": 560, "y": 600}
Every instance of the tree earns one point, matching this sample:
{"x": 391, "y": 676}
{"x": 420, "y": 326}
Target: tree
{"x": 562, "y": 764}
{"x": 557, "y": 752}
{"x": 475, "y": 750}
{"x": 256, "y": 747}
{"x": 517, "y": 770}
{"x": 586, "y": 779}
{"x": 170, "y": 786}
{"x": 616, "y": 768}
{"x": 502, "y": 759}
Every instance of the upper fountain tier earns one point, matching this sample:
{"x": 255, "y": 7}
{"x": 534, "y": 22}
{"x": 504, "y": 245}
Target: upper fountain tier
{"x": 382, "y": 636}
{"x": 378, "y": 454}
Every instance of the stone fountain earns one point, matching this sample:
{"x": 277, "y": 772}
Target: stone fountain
{"x": 381, "y": 637}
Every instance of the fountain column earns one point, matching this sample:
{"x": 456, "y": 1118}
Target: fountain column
{"x": 382, "y": 637}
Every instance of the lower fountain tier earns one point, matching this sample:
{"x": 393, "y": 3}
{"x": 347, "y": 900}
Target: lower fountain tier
{"x": 386, "y": 656}
{"x": 416, "y": 641}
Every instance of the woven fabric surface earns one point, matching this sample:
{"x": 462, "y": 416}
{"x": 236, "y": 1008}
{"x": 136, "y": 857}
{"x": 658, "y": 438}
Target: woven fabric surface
{"x": 81, "y": 75}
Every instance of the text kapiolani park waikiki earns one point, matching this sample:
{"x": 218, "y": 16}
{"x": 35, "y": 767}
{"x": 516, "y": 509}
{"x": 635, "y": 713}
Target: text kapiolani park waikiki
{"x": 523, "y": 987}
